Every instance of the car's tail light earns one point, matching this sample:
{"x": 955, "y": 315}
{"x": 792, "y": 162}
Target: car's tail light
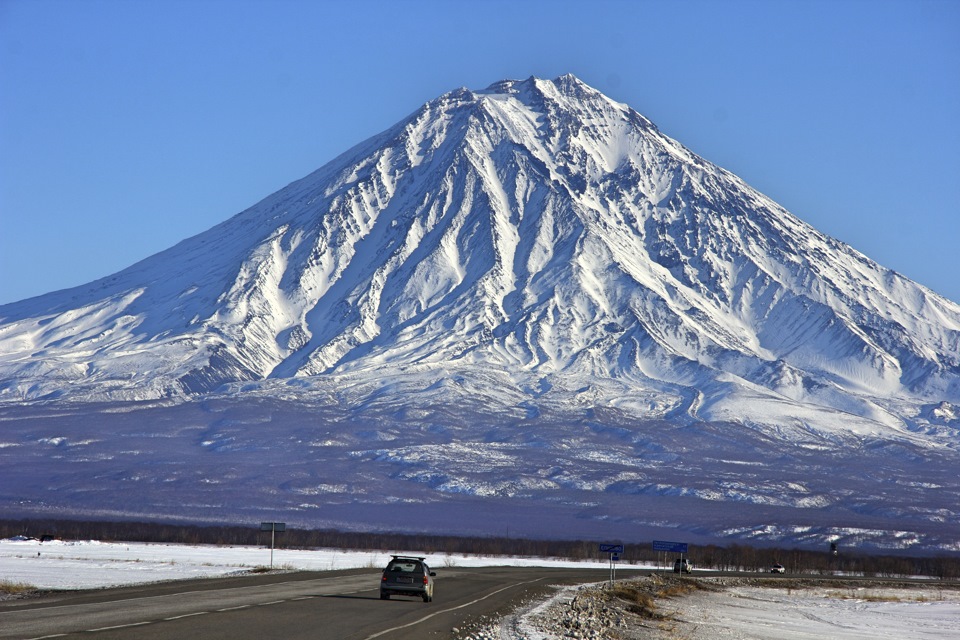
{"x": 426, "y": 580}
{"x": 383, "y": 579}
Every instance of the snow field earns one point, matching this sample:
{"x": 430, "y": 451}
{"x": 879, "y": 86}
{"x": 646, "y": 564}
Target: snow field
{"x": 757, "y": 613}
{"x": 92, "y": 564}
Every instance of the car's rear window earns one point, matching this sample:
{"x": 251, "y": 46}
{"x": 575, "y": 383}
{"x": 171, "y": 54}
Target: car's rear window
{"x": 406, "y": 567}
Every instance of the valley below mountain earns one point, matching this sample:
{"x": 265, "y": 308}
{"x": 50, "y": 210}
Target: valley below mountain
{"x": 386, "y": 463}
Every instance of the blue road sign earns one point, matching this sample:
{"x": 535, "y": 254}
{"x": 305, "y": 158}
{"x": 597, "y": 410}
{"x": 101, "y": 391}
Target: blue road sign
{"x": 674, "y": 547}
{"x": 611, "y": 548}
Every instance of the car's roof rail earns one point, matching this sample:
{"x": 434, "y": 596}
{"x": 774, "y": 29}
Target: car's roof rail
{"x": 396, "y": 557}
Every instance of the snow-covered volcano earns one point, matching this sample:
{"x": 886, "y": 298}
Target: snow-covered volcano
{"x": 535, "y": 227}
{"x": 531, "y": 247}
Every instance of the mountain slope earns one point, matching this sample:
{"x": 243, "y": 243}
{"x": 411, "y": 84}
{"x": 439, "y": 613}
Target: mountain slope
{"x": 537, "y": 227}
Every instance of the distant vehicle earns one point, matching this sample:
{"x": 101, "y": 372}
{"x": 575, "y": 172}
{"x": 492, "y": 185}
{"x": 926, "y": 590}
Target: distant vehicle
{"x": 682, "y": 565}
{"x": 777, "y": 568}
{"x": 407, "y": 576}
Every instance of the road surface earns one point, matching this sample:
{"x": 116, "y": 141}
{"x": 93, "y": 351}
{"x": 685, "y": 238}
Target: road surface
{"x": 341, "y": 605}
{"x": 335, "y": 605}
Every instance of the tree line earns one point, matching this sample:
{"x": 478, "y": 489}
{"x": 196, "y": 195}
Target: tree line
{"x": 733, "y": 557}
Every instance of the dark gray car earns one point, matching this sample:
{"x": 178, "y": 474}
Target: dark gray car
{"x": 407, "y": 576}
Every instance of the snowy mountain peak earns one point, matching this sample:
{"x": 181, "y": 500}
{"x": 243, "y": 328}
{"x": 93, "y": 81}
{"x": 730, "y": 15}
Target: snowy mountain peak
{"x": 537, "y": 230}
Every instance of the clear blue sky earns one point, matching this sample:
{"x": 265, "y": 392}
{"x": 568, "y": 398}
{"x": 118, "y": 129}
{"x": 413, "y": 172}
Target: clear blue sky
{"x": 128, "y": 126}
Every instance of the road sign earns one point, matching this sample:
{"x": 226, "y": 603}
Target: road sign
{"x": 611, "y": 548}
{"x": 674, "y": 547}
{"x": 274, "y": 528}
{"x": 614, "y": 550}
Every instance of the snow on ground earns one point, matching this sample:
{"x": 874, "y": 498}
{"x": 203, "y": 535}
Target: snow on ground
{"x": 762, "y": 613}
{"x": 91, "y": 564}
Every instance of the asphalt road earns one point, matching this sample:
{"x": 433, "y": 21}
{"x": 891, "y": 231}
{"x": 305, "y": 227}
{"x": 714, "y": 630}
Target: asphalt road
{"x": 342, "y": 605}
{"x": 337, "y": 605}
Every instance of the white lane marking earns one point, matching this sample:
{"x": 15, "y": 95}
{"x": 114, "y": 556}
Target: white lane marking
{"x": 184, "y": 593}
{"x": 198, "y": 591}
{"x": 267, "y": 604}
{"x": 436, "y": 613}
{"x": 119, "y": 626}
{"x": 186, "y": 615}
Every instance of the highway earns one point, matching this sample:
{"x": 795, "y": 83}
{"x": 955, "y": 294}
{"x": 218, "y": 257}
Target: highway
{"x": 341, "y": 605}
{"x": 335, "y": 605}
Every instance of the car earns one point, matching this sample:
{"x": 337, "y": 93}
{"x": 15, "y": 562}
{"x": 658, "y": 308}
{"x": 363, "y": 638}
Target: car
{"x": 407, "y": 576}
{"x": 682, "y": 565}
{"x": 777, "y": 568}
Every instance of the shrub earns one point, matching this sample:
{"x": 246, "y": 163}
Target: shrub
{"x": 15, "y": 588}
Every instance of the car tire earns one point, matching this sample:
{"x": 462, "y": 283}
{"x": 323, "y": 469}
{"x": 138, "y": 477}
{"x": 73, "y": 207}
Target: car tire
{"x": 384, "y": 596}
{"x": 427, "y": 598}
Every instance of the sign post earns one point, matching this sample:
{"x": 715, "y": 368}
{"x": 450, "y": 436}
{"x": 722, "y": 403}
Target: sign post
{"x": 614, "y": 550}
{"x": 670, "y": 547}
{"x": 274, "y": 528}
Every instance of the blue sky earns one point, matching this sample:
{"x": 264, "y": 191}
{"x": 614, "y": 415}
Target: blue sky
{"x": 126, "y": 126}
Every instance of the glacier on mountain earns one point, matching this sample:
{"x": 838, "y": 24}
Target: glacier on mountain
{"x": 533, "y": 250}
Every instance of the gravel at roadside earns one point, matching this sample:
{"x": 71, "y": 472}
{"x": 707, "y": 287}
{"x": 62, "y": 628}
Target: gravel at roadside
{"x": 598, "y": 611}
